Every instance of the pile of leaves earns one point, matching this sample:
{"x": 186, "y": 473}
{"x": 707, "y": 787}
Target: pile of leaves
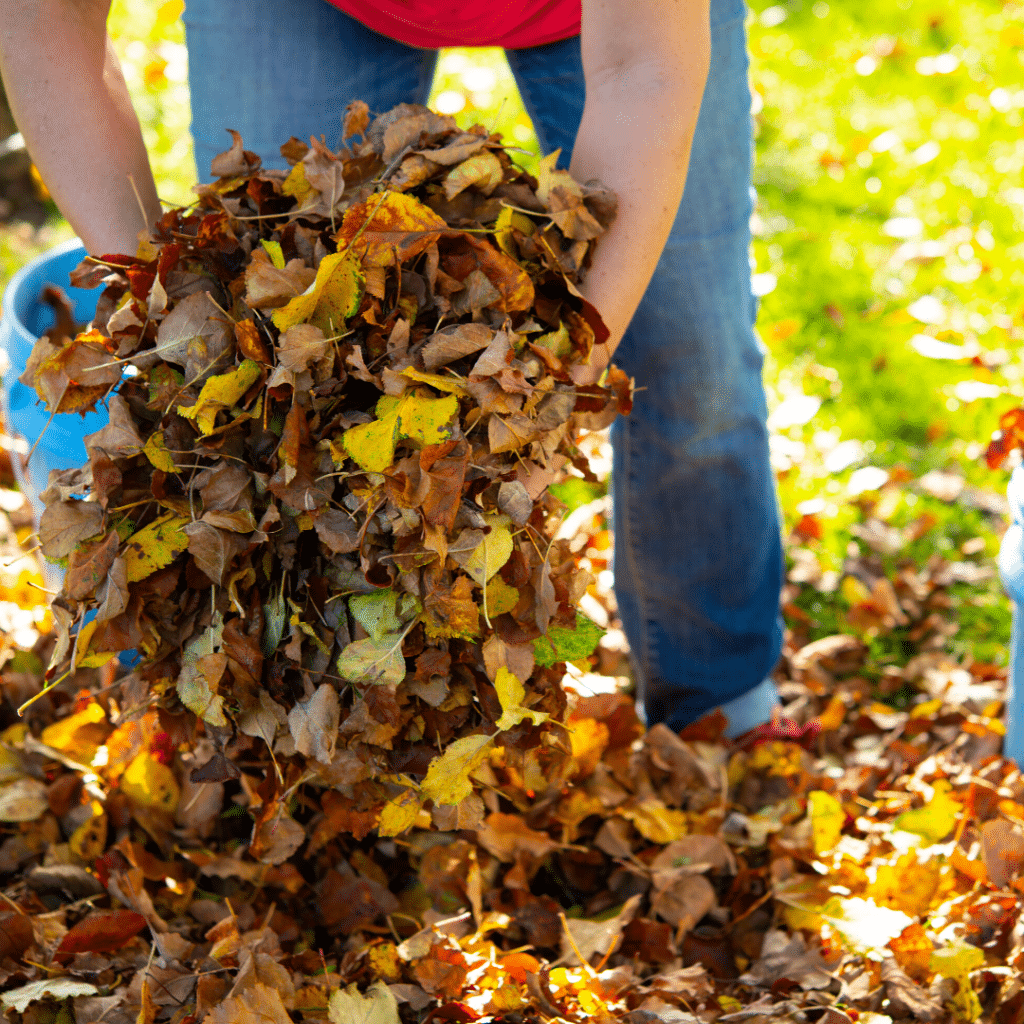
{"x": 319, "y": 512}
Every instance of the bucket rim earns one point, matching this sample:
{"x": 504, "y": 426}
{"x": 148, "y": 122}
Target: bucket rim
{"x": 16, "y": 283}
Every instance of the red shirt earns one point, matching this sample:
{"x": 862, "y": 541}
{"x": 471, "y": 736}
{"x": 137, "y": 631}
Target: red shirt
{"x": 435, "y": 23}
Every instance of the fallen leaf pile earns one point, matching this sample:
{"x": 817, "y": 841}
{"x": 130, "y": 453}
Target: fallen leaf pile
{"x": 319, "y": 510}
{"x": 346, "y": 782}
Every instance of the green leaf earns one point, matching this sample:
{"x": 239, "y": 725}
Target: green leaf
{"x": 374, "y": 662}
{"x": 219, "y": 392}
{"x": 562, "y": 644}
{"x": 274, "y": 252}
{"x": 376, "y": 613}
{"x": 275, "y": 615}
{"x": 163, "y": 377}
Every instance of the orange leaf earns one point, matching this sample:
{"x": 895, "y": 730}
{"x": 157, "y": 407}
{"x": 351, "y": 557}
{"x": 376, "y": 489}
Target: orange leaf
{"x": 383, "y": 224}
{"x": 101, "y": 933}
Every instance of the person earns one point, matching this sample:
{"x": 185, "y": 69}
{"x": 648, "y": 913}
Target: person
{"x": 648, "y": 97}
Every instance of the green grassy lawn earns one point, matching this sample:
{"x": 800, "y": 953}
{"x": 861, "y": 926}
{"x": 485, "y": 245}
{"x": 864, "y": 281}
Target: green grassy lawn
{"x": 889, "y": 224}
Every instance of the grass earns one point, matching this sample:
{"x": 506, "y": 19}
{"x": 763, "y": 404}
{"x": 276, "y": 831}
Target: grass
{"x": 888, "y": 167}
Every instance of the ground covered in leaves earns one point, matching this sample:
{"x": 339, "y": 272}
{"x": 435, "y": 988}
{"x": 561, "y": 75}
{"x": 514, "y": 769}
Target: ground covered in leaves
{"x": 865, "y": 867}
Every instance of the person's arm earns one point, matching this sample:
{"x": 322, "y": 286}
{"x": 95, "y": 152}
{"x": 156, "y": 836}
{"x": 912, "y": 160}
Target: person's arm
{"x": 645, "y": 65}
{"x": 69, "y": 99}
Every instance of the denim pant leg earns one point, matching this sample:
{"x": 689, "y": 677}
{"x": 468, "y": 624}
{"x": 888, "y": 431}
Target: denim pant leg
{"x": 698, "y": 563}
{"x": 271, "y": 70}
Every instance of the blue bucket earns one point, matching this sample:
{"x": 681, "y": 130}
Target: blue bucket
{"x": 1011, "y": 570}
{"x": 24, "y": 318}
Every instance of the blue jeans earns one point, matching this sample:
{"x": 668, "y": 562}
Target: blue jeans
{"x": 698, "y": 564}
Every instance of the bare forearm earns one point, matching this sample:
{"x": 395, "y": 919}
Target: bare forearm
{"x": 635, "y": 136}
{"x": 70, "y": 101}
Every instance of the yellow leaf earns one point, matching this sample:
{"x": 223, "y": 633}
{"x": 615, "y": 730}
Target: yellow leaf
{"x": 84, "y": 658}
{"x": 656, "y": 822}
{"x": 157, "y": 453}
{"x": 89, "y": 840}
{"x": 378, "y": 1006}
{"x": 148, "y": 1010}
{"x": 297, "y": 185}
{"x": 387, "y": 225}
{"x": 909, "y": 885}
{"x": 372, "y": 445}
{"x": 197, "y": 688}
{"x": 492, "y": 552}
{"x": 853, "y": 591}
{"x": 956, "y": 962}
{"x": 452, "y": 385}
{"x": 827, "y": 818}
{"x": 64, "y": 735}
{"x": 148, "y": 783}
{"x": 936, "y": 819}
{"x": 385, "y": 962}
{"x": 511, "y": 693}
{"x": 447, "y": 778}
{"x": 330, "y": 300}
{"x": 274, "y": 252}
{"x": 508, "y": 219}
{"x": 502, "y": 598}
{"x": 221, "y": 391}
{"x": 154, "y": 546}
{"x": 399, "y": 814}
{"x": 422, "y": 420}
{"x": 482, "y": 170}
